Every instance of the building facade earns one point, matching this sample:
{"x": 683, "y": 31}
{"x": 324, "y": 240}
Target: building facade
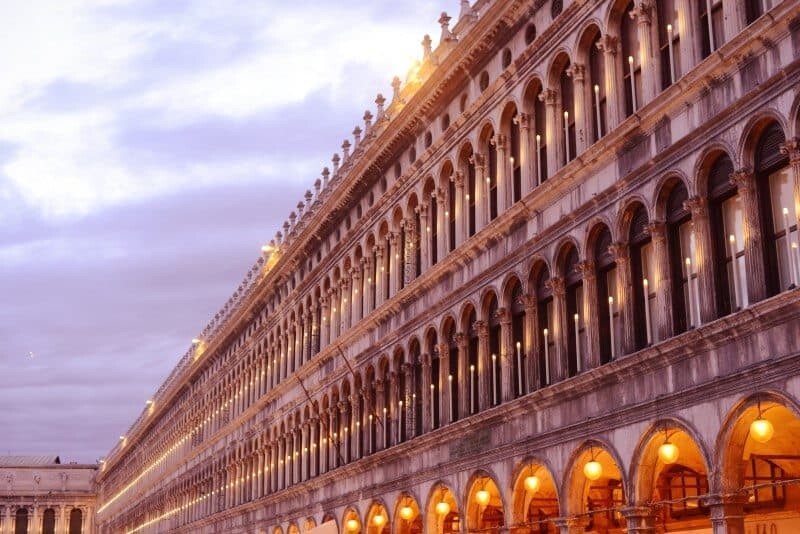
{"x": 42, "y": 495}
{"x": 550, "y": 287}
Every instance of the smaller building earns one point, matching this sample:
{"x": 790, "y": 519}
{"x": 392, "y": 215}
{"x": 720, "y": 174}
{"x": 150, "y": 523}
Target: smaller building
{"x": 39, "y": 494}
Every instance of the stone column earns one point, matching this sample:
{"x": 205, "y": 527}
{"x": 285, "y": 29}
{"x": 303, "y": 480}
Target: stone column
{"x": 394, "y": 398}
{"x": 505, "y": 184}
{"x": 727, "y": 514}
{"x": 615, "y": 104}
{"x": 394, "y": 252}
{"x": 703, "y": 259}
{"x": 507, "y": 355}
{"x": 299, "y": 356}
{"x": 347, "y": 304}
{"x": 688, "y": 31}
{"x": 409, "y": 254}
{"x": 344, "y": 440}
{"x": 734, "y": 20}
{"x": 356, "y": 430}
{"x": 368, "y": 285}
{"x": 445, "y": 402}
{"x": 559, "y": 366}
{"x": 555, "y": 151}
{"x": 571, "y": 525}
{"x": 744, "y": 180}
{"x": 530, "y": 360}
{"x": 333, "y": 438}
{"x": 356, "y": 313}
{"x": 623, "y": 300}
{"x": 427, "y": 380}
{"x": 662, "y": 320}
{"x": 407, "y": 427}
{"x": 379, "y": 277}
{"x": 442, "y": 226}
{"x": 380, "y": 404}
{"x": 579, "y": 113}
{"x": 649, "y": 61}
{"x": 461, "y": 216}
{"x": 463, "y": 376}
{"x": 481, "y": 193}
{"x": 483, "y": 369}
{"x": 639, "y": 519}
{"x": 791, "y": 148}
{"x": 424, "y": 237}
{"x": 526, "y": 164}
{"x": 590, "y": 315}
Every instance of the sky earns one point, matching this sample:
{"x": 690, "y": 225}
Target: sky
{"x": 147, "y": 150}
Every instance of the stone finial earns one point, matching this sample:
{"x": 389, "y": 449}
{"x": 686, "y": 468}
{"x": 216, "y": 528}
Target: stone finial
{"x": 427, "y": 47}
{"x": 396, "y": 89}
{"x": 367, "y": 121}
{"x": 466, "y": 11}
{"x": 325, "y": 175}
{"x": 309, "y": 196}
{"x": 345, "y": 150}
{"x": 335, "y": 160}
{"x": 379, "y": 102}
{"x": 356, "y": 137}
{"x": 444, "y": 21}
{"x": 317, "y": 186}
{"x": 300, "y": 207}
{"x": 292, "y": 219}
{"x": 278, "y": 237}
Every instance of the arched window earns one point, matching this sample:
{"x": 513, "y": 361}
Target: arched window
{"x": 631, "y": 67}
{"x": 682, "y": 260}
{"x": 428, "y": 139}
{"x": 49, "y": 522}
{"x": 484, "y": 81}
{"x": 597, "y": 88}
{"x": 726, "y": 217}
{"x": 606, "y": 289}
{"x": 779, "y": 221}
{"x": 530, "y": 33}
{"x": 753, "y": 9}
{"x": 21, "y": 522}
{"x": 669, "y": 42}
{"x": 576, "y": 332}
{"x": 450, "y": 216}
{"x": 641, "y": 261}
{"x": 494, "y": 376}
{"x": 506, "y": 58}
{"x": 435, "y": 390}
{"x": 445, "y": 121}
{"x": 453, "y": 376}
{"x": 539, "y": 135}
{"x": 432, "y": 231}
{"x": 567, "y": 113}
{"x": 544, "y": 312}
{"x": 712, "y": 29}
{"x": 75, "y": 521}
{"x": 516, "y": 165}
{"x": 472, "y": 359}
{"x": 471, "y": 198}
{"x": 386, "y": 268}
{"x": 416, "y": 389}
{"x": 518, "y": 363}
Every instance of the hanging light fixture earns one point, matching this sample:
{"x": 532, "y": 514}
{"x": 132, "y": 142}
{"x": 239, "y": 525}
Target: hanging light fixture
{"x": 593, "y": 470}
{"x": 532, "y": 482}
{"x": 668, "y": 452}
{"x": 379, "y": 519}
{"x": 482, "y": 496}
{"x": 406, "y": 512}
{"x": 442, "y": 508}
{"x": 761, "y": 430}
{"x": 352, "y": 525}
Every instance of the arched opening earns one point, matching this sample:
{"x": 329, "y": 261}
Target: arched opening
{"x": 442, "y": 515}
{"x": 371, "y": 417}
{"x": 712, "y": 29}
{"x": 629, "y": 67}
{"x": 75, "y": 521}
{"x": 351, "y": 522}
{"x": 449, "y": 378}
{"x": 544, "y": 314}
{"x": 672, "y": 474}
{"x": 594, "y": 86}
{"x": 49, "y": 521}
{"x": 21, "y": 521}
{"x": 680, "y": 236}
{"x": 489, "y": 144}
{"x": 400, "y": 410}
{"x": 377, "y": 521}
{"x": 565, "y": 123}
{"x": 669, "y": 41}
{"x": 595, "y": 489}
{"x": 293, "y": 529}
{"x": 433, "y": 389}
{"x": 509, "y": 125}
{"x": 641, "y": 256}
{"x": 515, "y": 302}
{"x": 535, "y": 106}
{"x": 431, "y": 231}
{"x": 575, "y": 319}
{"x": 467, "y": 164}
{"x": 309, "y": 524}
{"x": 493, "y": 373}
{"x": 606, "y": 276}
{"x": 415, "y": 388}
{"x": 775, "y": 185}
{"x": 761, "y": 460}
{"x": 484, "y": 506}
{"x": 408, "y": 518}
{"x": 535, "y": 500}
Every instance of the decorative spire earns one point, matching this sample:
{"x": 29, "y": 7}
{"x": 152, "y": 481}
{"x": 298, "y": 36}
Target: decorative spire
{"x": 426, "y": 48}
{"x": 379, "y": 102}
{"x": 317, "y": 187}
{"x": 396, "y": 89}
{"x": 325, "y": 175}
{"x": 466, "y": 11}
{"x": 309, "y": 195}
{"x": 278, "y": 237}
{"x": 444, "y": 21}
{"x": 367, "y": 121}
{"x": 300, "y": 207}
{"x": 335, "y": 160}
{"x": 356, "y": 137}
{"x": 345, "y": 150}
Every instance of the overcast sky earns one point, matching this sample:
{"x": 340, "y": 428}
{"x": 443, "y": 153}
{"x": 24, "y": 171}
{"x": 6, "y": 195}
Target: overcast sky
{"x": 147, "y": 149}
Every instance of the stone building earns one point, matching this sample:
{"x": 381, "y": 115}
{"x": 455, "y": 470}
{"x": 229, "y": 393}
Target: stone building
{"x": 39, "y": 494}
{"x": 551, "y": 286}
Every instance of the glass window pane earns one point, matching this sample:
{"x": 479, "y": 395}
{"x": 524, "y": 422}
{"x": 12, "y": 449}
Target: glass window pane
{"x": 689, "y": 269}
{"x": 781, "y": 187}
{"x": 733, "y": 223}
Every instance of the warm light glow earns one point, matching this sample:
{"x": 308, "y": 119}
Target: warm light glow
{"x": 596, "y": 88}
{"x": 442, "y": 508}
{"x": 732, "y": 238}
{"x": 352, "y": 525}
{"x": 406, "y": 512}
{"x": 196, "y": 341}
{"x": 669, "y": 27}
{"x": 761, "y": 430}
{"x": 645, "y": 283}
{"x": 593, "y": 470}
{"x": 630, "y": 60}
{"x": 668, "y": 452}
{"x": 379, "y": 520}
{"x": 482, "y": 497}
{"x": 267, "y": 249}
{"x": 532, "y": 483}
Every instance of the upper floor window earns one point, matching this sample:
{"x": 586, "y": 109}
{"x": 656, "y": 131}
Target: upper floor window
{"x": 483, "y": 82}
{"x": 506, "y": 58}
{"x": 530, "y": 34}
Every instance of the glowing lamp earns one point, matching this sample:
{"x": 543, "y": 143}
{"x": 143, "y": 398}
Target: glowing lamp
{"x": 482, "y": 497}
{"x": 593, "y": 470}
{"x": 406, "y": 512}
{"x": 761, "y": 430}
{"x": 379, "y": 520}
{"x": 352, "y": 525}
{"x": 442, "y": 508}
{"x": 532, "y": 483}
{"x": 668, "y": 452}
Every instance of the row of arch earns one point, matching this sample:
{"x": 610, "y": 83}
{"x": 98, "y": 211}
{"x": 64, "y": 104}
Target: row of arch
{"x": 24, "y": 520}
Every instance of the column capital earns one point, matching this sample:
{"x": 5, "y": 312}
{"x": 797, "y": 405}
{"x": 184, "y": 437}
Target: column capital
{"x": 698, "y": 206}
{"x": 461, "y": 340}
{"x": 743, "y": 179}
{"x": 481, "y": 327}
{"x": 500, "y": 141}
{"x": 657, "y": 230}
{"x": 620, "y": 252}
{"x": 577, "y": 71}
{"x": 557, "y": 286}
{"x": 791, "y": 148}
{"x": 529, "y": 302}
{"x": 549, "y": 97}
{"x": 609, "y": 44}
{"x": 523, "y": 120}
{"x": 458, "y": 178}
{"x": 504, "y": 314}
{"x": 478, "y": 160}
{"x": 641, "y": 13}
{"x": 586, "y": 268}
